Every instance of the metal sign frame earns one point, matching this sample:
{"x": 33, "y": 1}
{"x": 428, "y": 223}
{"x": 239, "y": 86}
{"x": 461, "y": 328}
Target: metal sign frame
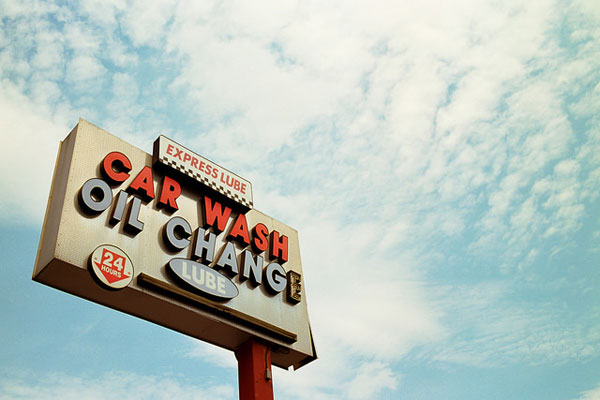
{"x": 142, "y": 198}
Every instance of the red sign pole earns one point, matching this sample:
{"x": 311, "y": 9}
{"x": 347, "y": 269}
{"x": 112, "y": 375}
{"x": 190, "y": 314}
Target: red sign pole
{"x": 254, "y": 371}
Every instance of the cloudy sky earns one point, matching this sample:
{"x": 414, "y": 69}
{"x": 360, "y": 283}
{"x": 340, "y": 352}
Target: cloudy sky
{"x": 440, "y": 161}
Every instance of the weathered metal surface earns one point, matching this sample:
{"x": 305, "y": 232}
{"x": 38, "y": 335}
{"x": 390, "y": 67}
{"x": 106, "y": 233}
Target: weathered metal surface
{"x": 136, "y": 226}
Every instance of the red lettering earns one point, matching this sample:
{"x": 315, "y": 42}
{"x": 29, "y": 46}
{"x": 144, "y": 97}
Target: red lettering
{"x": 230, "y": 182}
{"x": 169, "y": 193}
{"x": 194, "y": 162}
{"x": 143, "y": 183}
{"x": 259, "y": 238}
{"x": 201, "y": 167}
{"x": 239, "y": 230}
{"x": 170, "y": 149}
{"x": 178, "y": 153}
{"x": 186, "y": 157}
{"x": 279, "y": 247}
{"x": 215, "y": 213}
{"x": 215, "y": 172}
{"x": 110, "y": 162}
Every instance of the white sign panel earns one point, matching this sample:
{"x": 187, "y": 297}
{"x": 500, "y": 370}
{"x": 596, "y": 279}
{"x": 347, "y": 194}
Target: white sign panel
{"x": 219, "y": 179}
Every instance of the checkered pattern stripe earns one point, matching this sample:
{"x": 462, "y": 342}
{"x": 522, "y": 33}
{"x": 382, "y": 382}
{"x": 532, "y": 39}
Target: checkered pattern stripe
{"x": 204, "y": 180}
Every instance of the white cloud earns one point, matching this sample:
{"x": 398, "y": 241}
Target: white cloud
{"x": 381, "y": 132}
{"x": 49, "y": 58}
{"x": 486, "y": 327}
{"x": 120, "y": 384}
{"x": 32, "y": 139}
{"x": 593, "y": 394}
{"x": 212, "y": 354}
{"x": 12, "y": 9}
{"x": 85, "y": 71}
{"x": 451, "y": 112}
{"x": 145, "y": 24}
{"x": 123, "y": 106}
{"x": 102, "y": 12}
{"x": 325, "y": 378}
{"x": 45, "y": 92}
{"x": 371, "y": 379}
{"x": 120, "y": 55}
{"x": 83, "y": 39}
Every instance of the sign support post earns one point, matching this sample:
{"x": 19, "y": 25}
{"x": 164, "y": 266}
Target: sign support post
{"x": 255, "y": 377}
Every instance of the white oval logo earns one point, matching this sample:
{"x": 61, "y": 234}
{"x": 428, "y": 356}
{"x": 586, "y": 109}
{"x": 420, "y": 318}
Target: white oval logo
{"x": 112, "y": 266}
{"x": 203, "y": 278}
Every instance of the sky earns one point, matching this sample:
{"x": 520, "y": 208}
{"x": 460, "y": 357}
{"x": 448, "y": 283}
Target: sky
{"x": 440, "y": 161}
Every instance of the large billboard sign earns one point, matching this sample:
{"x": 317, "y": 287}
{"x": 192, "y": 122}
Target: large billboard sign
{"x": 173, "y": 238}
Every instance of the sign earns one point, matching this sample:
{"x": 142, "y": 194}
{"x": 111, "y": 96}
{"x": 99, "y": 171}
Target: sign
{"x": 111, "y": 266}
{"x": 175, "y": 239}
{"x": 174, "y": 155}
{"x": 203, "y": 278}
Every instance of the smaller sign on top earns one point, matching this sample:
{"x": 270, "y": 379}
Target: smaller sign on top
{"x": 217, "y": 178}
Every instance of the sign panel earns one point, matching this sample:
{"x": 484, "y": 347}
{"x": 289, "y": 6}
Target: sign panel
{"x": 230, "y": 185}
{"x": 134, "y": 233}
